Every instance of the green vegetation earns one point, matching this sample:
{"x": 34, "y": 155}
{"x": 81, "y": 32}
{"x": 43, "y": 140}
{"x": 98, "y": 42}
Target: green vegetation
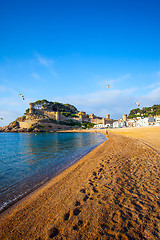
{"x": 41, "y": 126}
{"x": 87, "y": 125}
{"x": 145, "y": 112}
{"x": 27, "y": 111}
{"x": 71, "y": 123}
{"x": 69, "y": 114}
{"x": 13, "y": 124}
{"x": 65, "y": 109}
{"x": 21, "y": 119}
{"x": 53, "y": 121}
{"x": 36, "y": 125}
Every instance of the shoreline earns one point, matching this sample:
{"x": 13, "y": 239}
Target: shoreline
{"x": 111, "y": 193}
{"x": 41, "y": 184}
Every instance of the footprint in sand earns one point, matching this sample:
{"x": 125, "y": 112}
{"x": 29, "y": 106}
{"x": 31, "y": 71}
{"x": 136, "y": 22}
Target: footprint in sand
{"x": 53, "y": 232}
{"x": 95, "y": 190}
{"x": 100, "y": 170}
{"x": 77, "y": 203}
{"x": 66, "y": 216}
{"x": 86, "y": 198}
{"x": 75, "y": 227}
{"x": 83, "y": 190}
{"x": 76, "y": 211}
{"x": 91, "y": 183}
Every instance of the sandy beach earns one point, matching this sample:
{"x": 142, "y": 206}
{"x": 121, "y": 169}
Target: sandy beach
{"x": 111, "y": 193}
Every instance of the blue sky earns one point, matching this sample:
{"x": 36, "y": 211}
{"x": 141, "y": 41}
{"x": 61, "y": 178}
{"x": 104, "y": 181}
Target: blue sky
{"x": 69, "y": 51}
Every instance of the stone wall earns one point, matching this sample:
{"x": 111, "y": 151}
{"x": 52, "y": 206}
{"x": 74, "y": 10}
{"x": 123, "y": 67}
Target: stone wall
{"x": 27, "y": 124}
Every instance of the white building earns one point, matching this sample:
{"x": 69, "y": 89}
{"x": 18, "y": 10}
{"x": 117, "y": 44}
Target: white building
{"x": 157, "y": 120}
{"x": 108, "y": 125}
{"x": 119, "y": 124}
{"x": 145, "y": 122}
{"x": 131, "y": 123}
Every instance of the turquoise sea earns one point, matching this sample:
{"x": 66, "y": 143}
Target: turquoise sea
{"x": 27, "y": 160}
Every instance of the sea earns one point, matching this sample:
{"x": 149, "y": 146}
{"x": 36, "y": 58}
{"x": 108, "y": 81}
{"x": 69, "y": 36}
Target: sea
{"x": 28, "y": 160}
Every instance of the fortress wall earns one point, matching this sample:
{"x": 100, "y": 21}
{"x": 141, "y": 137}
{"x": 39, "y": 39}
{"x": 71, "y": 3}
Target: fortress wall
{"x": 50, "y": 114}
{"x": 26, "y": 124}
{"x": 96, "y": 121}
{"x": 62, "y": 118}
{"x": 56, "y": 116}
{"x": 76, "y": 119}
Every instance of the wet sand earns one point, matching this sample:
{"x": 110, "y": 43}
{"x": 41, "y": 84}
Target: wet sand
{"x": 111, "y": 193}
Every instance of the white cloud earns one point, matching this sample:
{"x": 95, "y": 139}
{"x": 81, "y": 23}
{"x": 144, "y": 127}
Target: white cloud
{"x": 43, "y": 60}
{"x": 154, "y": 85}
{"x": 151, "y": 98}
{"x": 114, "y": 102}
{"x": 121, "y": 78}
{"x": 35, "y": 75}
{"x": 46, "y": 62}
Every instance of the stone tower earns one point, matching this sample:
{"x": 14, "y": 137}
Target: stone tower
{"x": 91, "y": 115}
{"x": 124, "y": 117}
{"x": 57, "y": 116}
{"x": 108, "y": 116}
{"x": 31, "y": 108}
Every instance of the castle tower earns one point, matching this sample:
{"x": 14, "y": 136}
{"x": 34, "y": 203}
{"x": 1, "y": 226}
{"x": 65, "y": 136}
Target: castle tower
{"x": 91, "y": 115}
{"x": 31, "y": 108}
{"x": 108, "y": 116}
{"x": 124, "y": 117}
{"x": 57, "y": 116}
{"x": 103, "y": 121}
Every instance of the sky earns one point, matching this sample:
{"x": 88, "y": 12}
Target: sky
{"x": 70, "y": 50}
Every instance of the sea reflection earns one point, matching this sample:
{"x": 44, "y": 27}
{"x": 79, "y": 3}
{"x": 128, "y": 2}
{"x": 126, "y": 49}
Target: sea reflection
{"x": 27, "y": 159}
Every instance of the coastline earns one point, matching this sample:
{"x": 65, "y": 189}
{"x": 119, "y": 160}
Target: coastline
{"x": 99, "y": 196}
{"x": 72, "y": 160}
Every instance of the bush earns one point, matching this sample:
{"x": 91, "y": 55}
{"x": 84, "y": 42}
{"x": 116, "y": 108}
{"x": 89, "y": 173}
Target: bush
{"x": 41, "y": 126}
{"x": 74, "y": 116}
{"x": 27, "y": 111}
{"x": 52, "y": 120}
{"x": 71, "y": 123}
{"x": 87, "y": 125}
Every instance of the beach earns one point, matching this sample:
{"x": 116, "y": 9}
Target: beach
{"x": 111, "y": 193}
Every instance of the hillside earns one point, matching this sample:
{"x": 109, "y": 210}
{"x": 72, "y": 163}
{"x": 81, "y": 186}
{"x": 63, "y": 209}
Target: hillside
{"x": 145, "y": 112}
{"x": 44, "y": 118}
{"x": 65, "y": 109}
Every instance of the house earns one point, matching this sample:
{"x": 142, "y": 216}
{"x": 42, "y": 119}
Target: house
{"x": 157, "y": 118}
{"x": 131, "y": 123}
{"x": 108, "y": 125}
{"x": 145, "y": 122}
{"x": 119, "y": 124}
